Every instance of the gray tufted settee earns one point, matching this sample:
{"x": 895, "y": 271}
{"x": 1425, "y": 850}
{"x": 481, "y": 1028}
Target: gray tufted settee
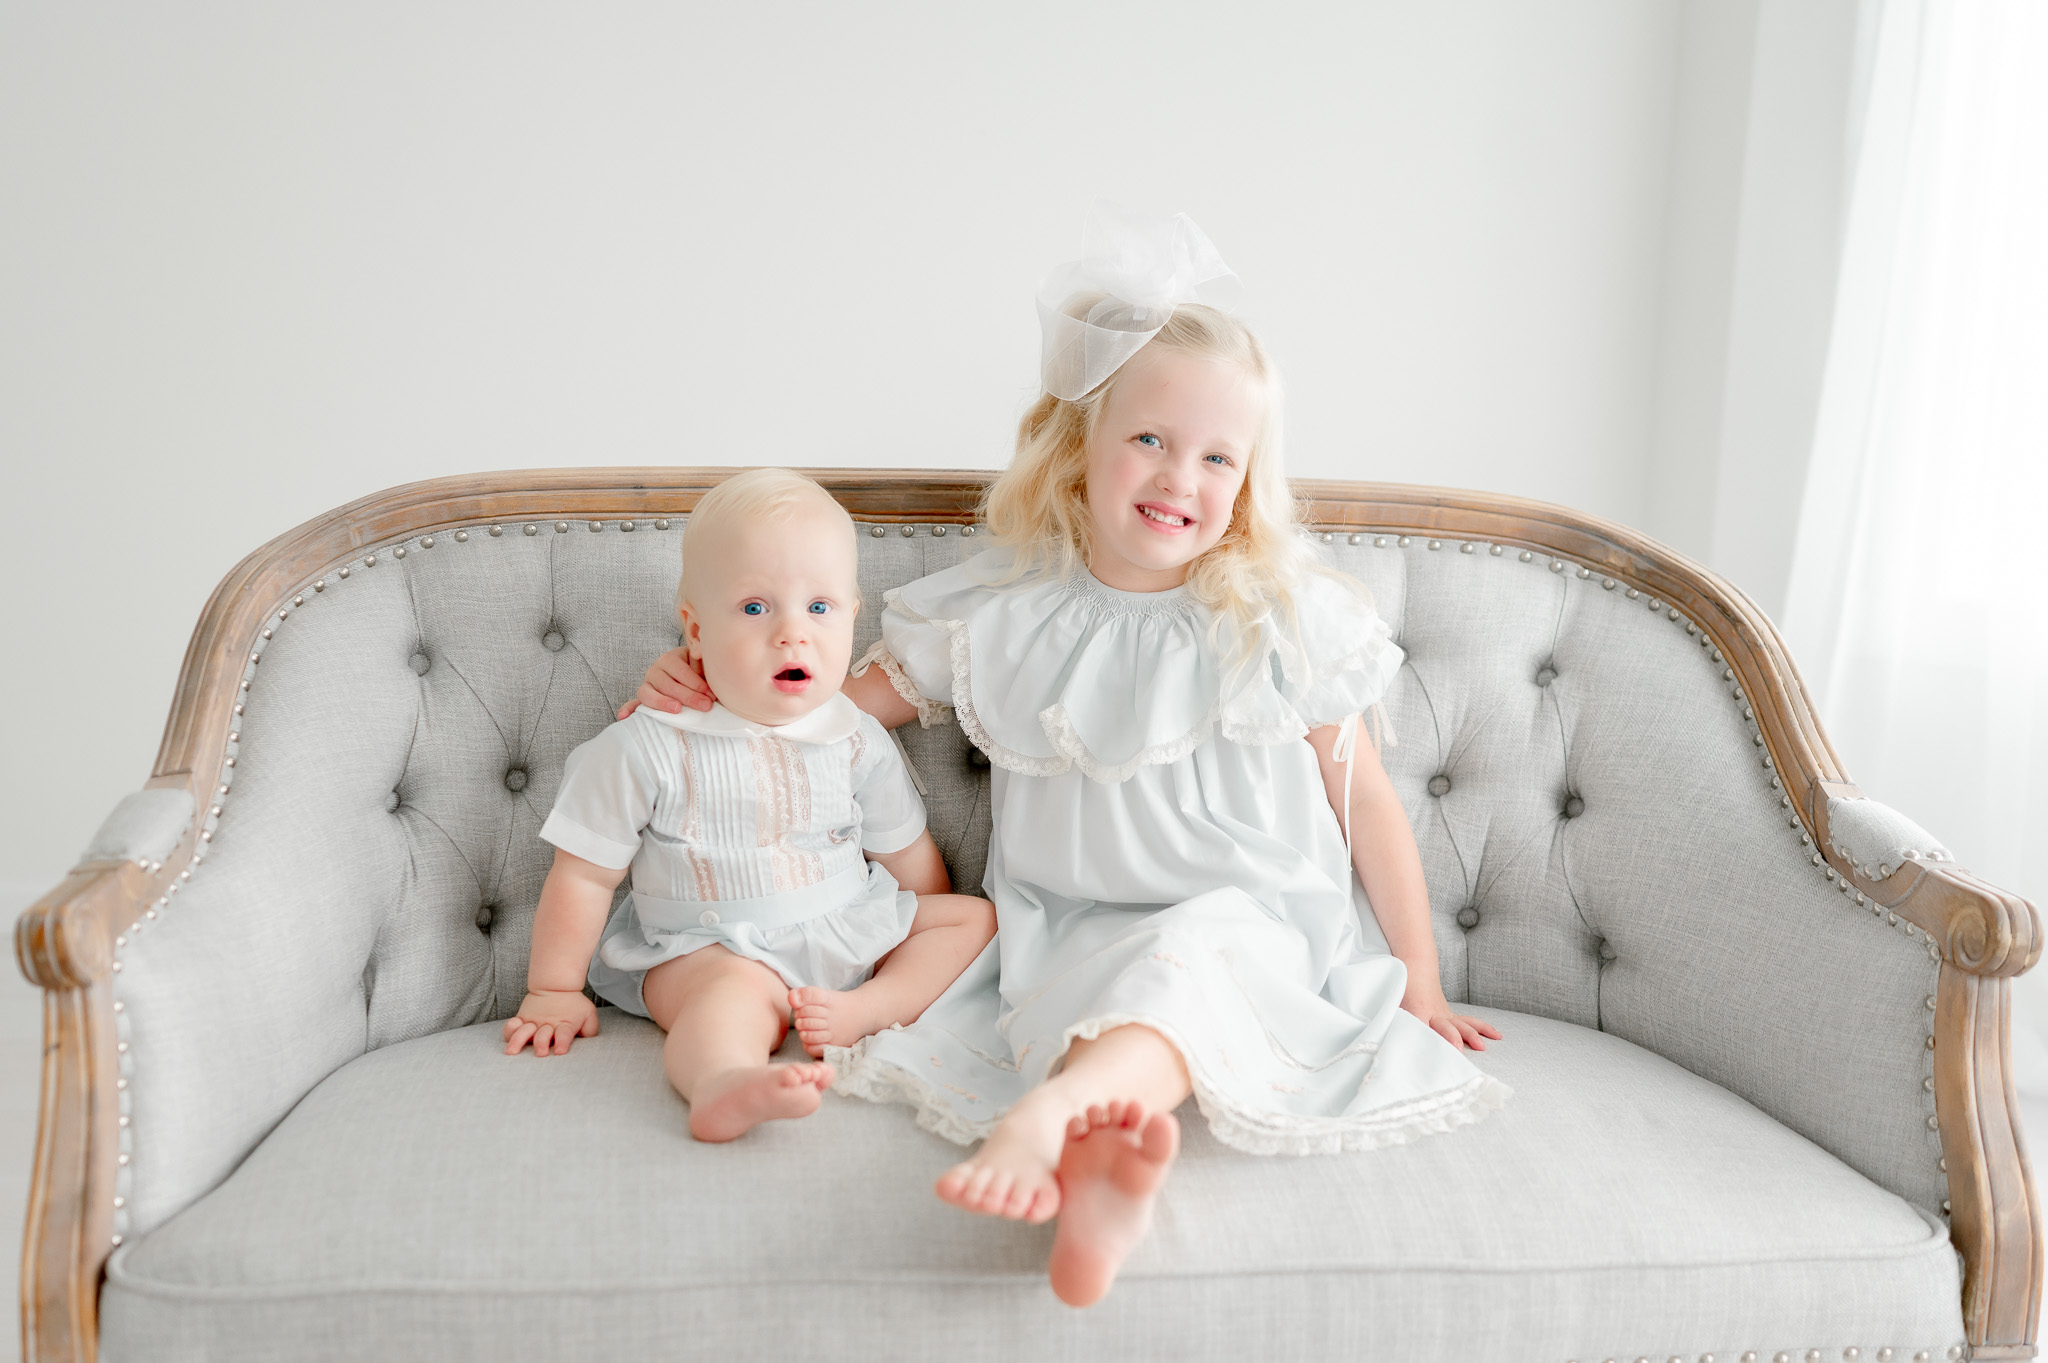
{"x": 1756, "y": 1023}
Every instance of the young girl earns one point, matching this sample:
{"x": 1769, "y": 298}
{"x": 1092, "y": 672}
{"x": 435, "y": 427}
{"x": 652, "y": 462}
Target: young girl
{"x": 749, "y": 830}
{"x": 1168, "y": 688}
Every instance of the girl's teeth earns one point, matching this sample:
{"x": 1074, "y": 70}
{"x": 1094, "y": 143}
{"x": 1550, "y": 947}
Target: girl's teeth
{"x": 1163, "y": 519}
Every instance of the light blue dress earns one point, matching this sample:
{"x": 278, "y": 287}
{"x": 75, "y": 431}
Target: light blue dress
{"x": 747, "y": 836}
{"x": 1163, "y": 853}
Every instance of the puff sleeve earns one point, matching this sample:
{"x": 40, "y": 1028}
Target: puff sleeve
{"x": 1346, "y": 657}
{"x": 606, "y": 797}
{"x": 891, "y": 814}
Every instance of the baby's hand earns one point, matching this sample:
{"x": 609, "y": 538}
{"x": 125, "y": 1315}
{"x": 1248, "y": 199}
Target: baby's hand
{"x": 550, "y": 1017}
{"x": 1428, "y": 1003}
{"x": 674, "y": 681}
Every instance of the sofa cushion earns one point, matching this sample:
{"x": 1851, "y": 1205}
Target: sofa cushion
{"x": 436, "y": 1199}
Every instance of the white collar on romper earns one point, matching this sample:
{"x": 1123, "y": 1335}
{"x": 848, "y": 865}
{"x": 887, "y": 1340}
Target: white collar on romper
{"x": 836, "y": 719}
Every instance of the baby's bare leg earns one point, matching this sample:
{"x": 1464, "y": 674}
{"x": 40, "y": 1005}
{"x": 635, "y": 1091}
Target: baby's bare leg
{"x": 1019, "y": 1172}
{"x": 725, "y": 1016}
{"x": 948, "y": 933}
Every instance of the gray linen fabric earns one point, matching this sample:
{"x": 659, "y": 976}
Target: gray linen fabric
{"x": 1608, "y": 847}
{"x": 437, "y": 1199}
{"x": 1878, "y": 836}
{"x": 146, "y": 826}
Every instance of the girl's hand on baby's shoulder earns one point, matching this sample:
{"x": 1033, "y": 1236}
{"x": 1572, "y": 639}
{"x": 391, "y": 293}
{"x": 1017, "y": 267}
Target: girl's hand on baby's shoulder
{"x": 674, "y": 681}
{"x": 1461, "y": 1031}
{"x": 550, "y": 1019}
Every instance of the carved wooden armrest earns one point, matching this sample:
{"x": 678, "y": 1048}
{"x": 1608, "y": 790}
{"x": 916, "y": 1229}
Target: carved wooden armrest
{"x": 64, "y": 945}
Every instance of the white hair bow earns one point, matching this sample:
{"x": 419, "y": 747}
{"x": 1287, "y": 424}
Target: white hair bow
{"x": 1097, "y": 312}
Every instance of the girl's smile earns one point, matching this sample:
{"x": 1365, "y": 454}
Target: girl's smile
{"x": 1165, "y": 464}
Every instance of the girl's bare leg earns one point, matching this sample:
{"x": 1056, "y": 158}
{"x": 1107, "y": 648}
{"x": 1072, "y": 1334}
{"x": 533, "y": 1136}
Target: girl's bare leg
{"x": 1092, "y": 1145}
{"x": 724, "y": 1016}
{"x": 948, "y": 933}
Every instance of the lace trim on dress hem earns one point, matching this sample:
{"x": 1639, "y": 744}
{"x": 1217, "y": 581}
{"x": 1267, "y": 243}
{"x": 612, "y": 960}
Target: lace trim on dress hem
{"x": 879, "y": 1081}
{"x": 929, "y": 712}
{"x": 1282, "y": 1133}
{"x": 1241, "y": 1128}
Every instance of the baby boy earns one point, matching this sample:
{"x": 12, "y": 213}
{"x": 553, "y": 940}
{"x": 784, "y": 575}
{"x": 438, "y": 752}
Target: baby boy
{"x": 781, "y": 866}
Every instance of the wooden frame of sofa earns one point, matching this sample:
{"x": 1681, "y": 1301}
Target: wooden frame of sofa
{"x": 63, "y": 942}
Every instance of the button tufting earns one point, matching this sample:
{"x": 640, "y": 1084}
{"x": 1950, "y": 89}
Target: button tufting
{"x": 1607, "y": 951}
{"x": 976, "y": 757}
{"x": 709, "y": 918}
{"x": 552, "y": 641}
{"x": 391, "y": 802}
{"x": 420, "y": 664}
{"x": 485, "y": 915}
{"x": 1468, "y": 917}
{"x": 515, "y": 779}
{"x": 1439, "y": 784}
{"x": 1546, "y": 676}
{"x": 1574, "y": 807}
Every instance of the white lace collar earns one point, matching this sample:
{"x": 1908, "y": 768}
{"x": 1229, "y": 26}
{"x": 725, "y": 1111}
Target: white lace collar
{"x": 831, "y": 722}
{"x": 1049, "y": 674}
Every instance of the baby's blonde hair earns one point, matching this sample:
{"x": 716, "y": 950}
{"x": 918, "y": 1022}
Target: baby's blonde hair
{"x": 1039, "y": 504}
{"x": 754, "y": 496}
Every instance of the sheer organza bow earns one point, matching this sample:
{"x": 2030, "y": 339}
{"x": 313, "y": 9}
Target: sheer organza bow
{"x": 1097, "y": 312}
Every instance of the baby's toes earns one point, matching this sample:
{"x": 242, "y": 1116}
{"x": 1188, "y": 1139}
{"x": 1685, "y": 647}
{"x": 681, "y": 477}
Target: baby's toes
{"x": 997, "y": 1194}
{"x": 1044, "y": 1204}
{"x": 1019, "y": 1201}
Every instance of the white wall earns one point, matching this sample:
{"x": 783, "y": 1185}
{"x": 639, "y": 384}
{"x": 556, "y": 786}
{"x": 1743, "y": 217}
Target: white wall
{"x": 1758, "y": 189}
{"x": 258, "y": 260}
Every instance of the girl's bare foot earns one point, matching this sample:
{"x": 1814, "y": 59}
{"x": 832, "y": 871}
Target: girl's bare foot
{"x": 733, "y": 1103}
{"x": 1011, "y": 1175}
{"x": 832, "y": 1017}
{"x": 1114, "y": 1161}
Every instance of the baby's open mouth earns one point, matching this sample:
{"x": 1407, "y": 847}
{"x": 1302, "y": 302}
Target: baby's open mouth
{"x": 792, "y": 679}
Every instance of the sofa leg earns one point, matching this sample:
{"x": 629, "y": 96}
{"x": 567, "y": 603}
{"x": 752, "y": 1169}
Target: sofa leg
{"x": 1994, "y": 1218}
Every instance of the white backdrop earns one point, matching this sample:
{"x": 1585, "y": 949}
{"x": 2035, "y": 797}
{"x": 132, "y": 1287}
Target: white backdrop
{"x": 258, "y": 260}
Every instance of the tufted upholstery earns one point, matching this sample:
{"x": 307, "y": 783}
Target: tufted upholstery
{"x": 1604, "y": 843}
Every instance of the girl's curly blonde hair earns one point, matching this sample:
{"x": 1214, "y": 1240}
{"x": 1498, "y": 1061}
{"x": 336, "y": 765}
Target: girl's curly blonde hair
{"x": 1039, "y": 505}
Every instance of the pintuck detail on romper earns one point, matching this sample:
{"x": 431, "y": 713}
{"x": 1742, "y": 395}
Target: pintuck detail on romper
{"x": 749, "y": 836}
{"x": 1164, "y": 853}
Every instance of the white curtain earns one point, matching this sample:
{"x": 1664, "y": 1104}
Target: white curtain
{"x": 1918, "y": 605}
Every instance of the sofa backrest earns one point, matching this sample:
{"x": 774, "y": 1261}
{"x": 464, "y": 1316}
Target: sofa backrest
{"x": 1603, "y": 833}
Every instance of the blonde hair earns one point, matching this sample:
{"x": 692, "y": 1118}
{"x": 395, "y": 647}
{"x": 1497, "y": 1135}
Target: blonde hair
{"x": 1039, "y": 504}
{"x": 758, "y": 495}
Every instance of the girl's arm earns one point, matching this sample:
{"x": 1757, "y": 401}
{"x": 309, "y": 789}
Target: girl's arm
{"x": 1389, "y": 866}
{"x": 675, "y": 680}
{"x": 574, "y": 904}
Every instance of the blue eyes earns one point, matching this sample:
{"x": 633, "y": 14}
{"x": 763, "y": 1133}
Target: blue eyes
{"x": 1153, "y": 442}
{"x": 761, "y": 608}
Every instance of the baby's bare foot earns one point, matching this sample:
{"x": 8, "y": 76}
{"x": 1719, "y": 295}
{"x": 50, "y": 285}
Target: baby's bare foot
{"x": 733, "y": 1103}
{"x": 832, "y": 1017}
{"x": 1011, "y": 1175}
{"x": 1114, "y": 1161}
